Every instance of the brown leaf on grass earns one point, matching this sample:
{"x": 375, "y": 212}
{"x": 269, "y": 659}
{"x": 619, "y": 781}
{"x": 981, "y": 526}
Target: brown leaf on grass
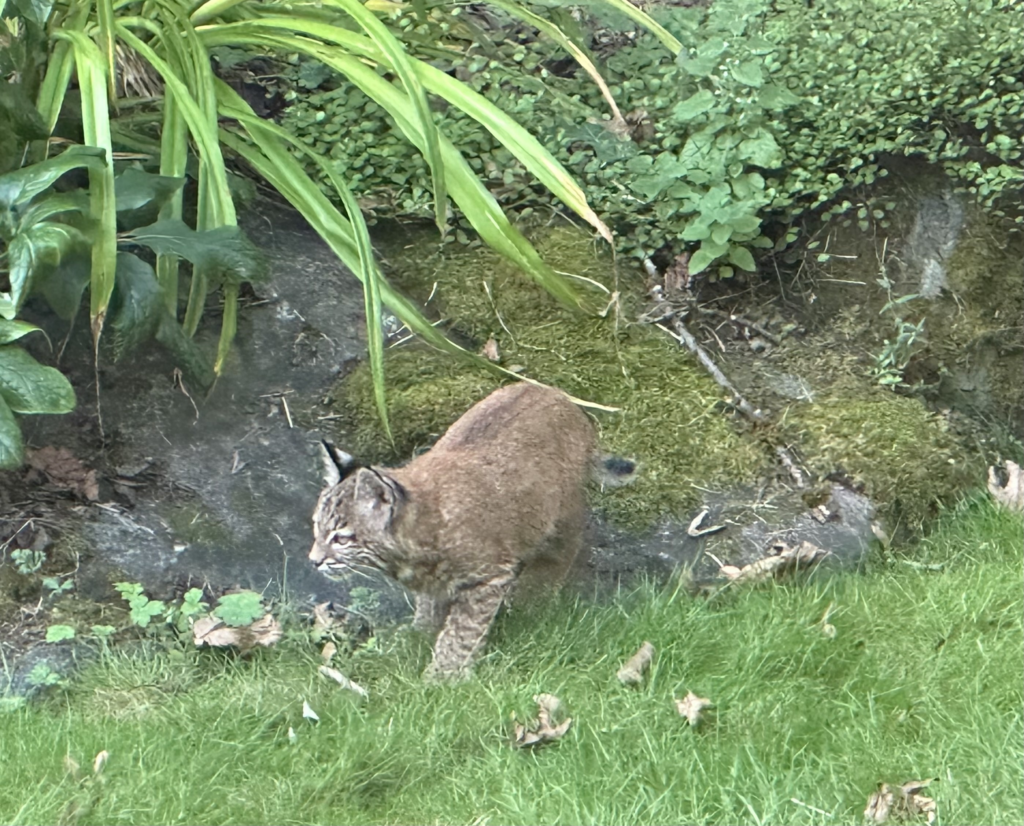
{"x": 543, "y": 729}
{"x": 63, "y": 470}
{"x": 99, "y": 761}
{"x": 328, "y": 652}
{"x": 342, "y": 680}
{"x": 214, "y": 632}
{"x": 901, "y": 803}
{"x": 1010, "y": 495}
{"x": 632, "y": 673}
{"x": 784, "y": 559}
{"x": 691, "y": 707}
{"x": 490, "y": 350}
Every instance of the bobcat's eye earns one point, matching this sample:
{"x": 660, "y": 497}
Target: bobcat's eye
{"x": 341, "y": 536}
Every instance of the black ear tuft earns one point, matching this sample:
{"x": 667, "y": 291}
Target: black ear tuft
{"x": 618, "y": 466}
{"x": 337, "y": 463}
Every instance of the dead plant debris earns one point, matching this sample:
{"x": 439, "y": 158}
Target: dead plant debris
{"x": 784, "y": 559}
{"x": 216, "y": 633}
{"x": 900, "y": 803}
{"x": 342, "y": 680}
{"x": 63, "y": 470}
{"x": 692, "y": 707}
{"x": 543, "y": 729}
{"x": 632, "y": 673}
{"x": 1011, "y": 494}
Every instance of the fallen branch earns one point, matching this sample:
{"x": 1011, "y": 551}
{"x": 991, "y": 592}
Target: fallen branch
{"x": 684, "y": 336}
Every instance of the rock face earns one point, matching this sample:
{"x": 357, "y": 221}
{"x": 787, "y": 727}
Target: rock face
{"x": 220, "y": 489}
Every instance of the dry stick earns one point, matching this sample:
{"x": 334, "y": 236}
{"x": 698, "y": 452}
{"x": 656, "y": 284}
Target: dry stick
{"x": 684, "y": 336}
{"x": 791, "y": 466}
{"x": 750, "y": 325}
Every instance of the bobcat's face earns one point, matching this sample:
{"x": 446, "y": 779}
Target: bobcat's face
{"x": 352, "y": 525}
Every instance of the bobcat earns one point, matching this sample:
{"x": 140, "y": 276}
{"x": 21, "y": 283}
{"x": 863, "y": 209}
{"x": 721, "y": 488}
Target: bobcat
{"x": 499, "y": 498}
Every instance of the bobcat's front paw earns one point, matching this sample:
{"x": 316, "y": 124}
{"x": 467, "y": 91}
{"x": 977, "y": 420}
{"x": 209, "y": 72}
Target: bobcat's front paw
{"x": 435, "y": 674}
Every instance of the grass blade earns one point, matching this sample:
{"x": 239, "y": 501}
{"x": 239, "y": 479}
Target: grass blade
{"x": 96, "y": 131}
{"x": 645, "y": 20}
{"x": 477, "y": 204}
{"x": 524, "y": 146}
{"x": 556, "y": 34}
{"x": 400, "y": 62}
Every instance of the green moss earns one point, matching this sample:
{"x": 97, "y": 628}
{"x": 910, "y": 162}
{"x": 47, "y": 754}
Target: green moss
{"x": 904, "y": 455}
{"x": 192, "y": 524}
{"x": 668, "y": 419}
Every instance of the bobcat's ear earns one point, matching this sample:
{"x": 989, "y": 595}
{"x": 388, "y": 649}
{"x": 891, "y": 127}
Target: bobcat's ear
{"x": 337, "y": 463}
{"x": 377, "y": 494}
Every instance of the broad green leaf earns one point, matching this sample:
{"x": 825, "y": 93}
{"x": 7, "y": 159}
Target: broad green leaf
{"x": 30, "y": 387}
{"x": 761, "y": 150}
{"x": 37, "y": 248}
{"x": 745, "y": 223}
{"x": 13, "y": 330}
{"x": 22, "y": 185}
{"x": 225, "y": 251}
{"x": 741, "y": 257}
{"x": 721, "y": 233}
{"x": 12, "y": 448}
{"x": 696, "y": 230}
{"x": 63, "y": 285}
{"x": 136, "y": 306}
{"x": 55, "y": 203}
{"x": 775, "y": 98}
{"x": 135, "y": 188}
{"x": 38, "y": 11}
{"x": 700, "y": 261}
{"x": 242, "y": 608}
{"x": 749, "y": 73}
{"x": 59, "y": 633}
{"x": 693, "y": 106}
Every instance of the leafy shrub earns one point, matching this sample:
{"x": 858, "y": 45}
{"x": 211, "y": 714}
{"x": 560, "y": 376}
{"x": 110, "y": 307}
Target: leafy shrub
{"x": 771, "y": 110}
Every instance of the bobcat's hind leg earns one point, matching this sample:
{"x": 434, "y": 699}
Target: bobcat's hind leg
{"x": 470, "y": 615}
{"x": 431, "y": 613}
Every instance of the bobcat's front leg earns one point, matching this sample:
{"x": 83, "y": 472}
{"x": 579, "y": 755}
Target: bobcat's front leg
{"x": 431, "y": 613}
{"x": 470, "y": 615}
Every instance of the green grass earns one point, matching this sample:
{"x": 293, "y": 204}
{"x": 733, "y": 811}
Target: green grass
{"x": 922, "y": 679}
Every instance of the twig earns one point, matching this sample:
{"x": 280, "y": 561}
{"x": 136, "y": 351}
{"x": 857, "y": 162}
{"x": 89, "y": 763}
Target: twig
{"x": 750, "y": 325}
{"x": 787, "y": 462}
{"x": 683, "y": 336}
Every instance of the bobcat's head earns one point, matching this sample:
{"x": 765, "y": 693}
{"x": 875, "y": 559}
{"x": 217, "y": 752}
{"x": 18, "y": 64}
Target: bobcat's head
{"x": 352, "y": 524}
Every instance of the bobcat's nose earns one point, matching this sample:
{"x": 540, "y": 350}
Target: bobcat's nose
{"x": 317, "y": 554}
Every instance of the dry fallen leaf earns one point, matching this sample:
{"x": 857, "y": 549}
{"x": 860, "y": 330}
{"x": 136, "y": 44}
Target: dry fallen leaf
{"x": 543, "y": 729}
{"x": 308, "y": 713}
{"x": 691, "y": 707}
{"x": 1010, "y": 495}
{"x": 490, "y": 350}
{"x": 632, "y": 673}
{"x": 63, "y": 470}
{"x": 784, "y": 559}
{"x": 903, "y": 802}
{"x": 328, "y": 652}
{"x": 214, "y": 632}
{"x": 342, "y": 680}
{"x": 100, "y": 761}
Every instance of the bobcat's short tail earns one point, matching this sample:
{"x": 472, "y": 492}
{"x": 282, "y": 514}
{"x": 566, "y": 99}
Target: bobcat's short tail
{"x": 613, "y": 471}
